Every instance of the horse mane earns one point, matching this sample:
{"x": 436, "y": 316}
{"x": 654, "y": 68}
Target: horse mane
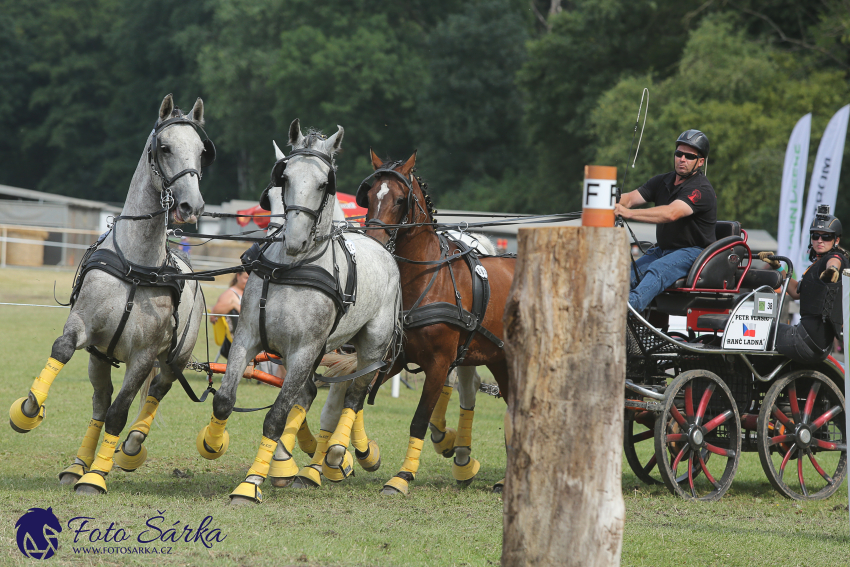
{"x": 429, "y": 205}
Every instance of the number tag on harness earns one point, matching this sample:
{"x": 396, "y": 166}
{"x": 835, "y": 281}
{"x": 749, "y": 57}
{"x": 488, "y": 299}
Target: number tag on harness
{"x": 481, "y": 271}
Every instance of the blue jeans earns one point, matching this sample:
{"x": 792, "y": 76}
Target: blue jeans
{"x": 659, "y": 269}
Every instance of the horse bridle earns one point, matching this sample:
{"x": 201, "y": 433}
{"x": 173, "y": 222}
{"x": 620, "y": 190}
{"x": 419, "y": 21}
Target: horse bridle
{"x": 413, "y": 203}
{"x": 207, "y": 155}
{"x": 328, "y": 188}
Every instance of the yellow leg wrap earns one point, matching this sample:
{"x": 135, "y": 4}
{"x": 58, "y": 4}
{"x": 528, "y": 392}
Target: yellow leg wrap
{"x": 467, "y": 472}
{"x": 103, "y": 460}
{"x": 294, "y": 420}
{"x": 213, "y": 440}
{"x": 143, "y": 424}
{"x": 358, "y": 433}
{"x": 263, "y": 458}
{"x": 342, "y": 434}
{"x": 438, "y": 416}
{"x": 411, "y": 459}
{"x": 370, "y": 460}
{"x": 21, "y": 422}
{"x": 306, "y": 441}
{"x": 248, "y": 490}
{"x": 446, "y": 446}
{"x": 90, "y": 439}
{"x": 312, "y": 471}
{"x": 42, "y": 382}
{"x": 464, "y": 428}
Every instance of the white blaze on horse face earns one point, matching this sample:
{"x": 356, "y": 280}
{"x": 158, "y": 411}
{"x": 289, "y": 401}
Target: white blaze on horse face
{"x": 381, "y": 194}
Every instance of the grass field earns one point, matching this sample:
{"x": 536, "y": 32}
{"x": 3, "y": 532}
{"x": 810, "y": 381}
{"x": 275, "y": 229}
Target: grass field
{"x": 349, "y": 523}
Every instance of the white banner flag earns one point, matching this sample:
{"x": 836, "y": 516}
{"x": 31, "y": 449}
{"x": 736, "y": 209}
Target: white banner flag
{"x": 793, "y": 185}
{"x": 823, "y": 187}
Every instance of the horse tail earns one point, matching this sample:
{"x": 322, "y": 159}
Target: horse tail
{"x": 339, "y": 364}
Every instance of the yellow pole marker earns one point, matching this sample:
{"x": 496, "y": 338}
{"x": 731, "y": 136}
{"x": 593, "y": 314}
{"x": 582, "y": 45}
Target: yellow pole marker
{"x": 294, "y": 420}
{"x": 600, "y": 195}
{"x": 358, "y": 433}
{"x": 146, "y": 416}
{"x": 42, "y": 382}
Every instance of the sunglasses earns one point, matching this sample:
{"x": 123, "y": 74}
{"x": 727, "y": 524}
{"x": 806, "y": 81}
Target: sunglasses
{"x": 679, "y": 153}
{"x": 824, "y": 237}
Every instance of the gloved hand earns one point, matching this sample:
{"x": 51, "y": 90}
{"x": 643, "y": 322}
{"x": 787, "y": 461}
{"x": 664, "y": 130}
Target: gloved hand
{"x": 829, "y": 275}
{"x": 775, "y": 264}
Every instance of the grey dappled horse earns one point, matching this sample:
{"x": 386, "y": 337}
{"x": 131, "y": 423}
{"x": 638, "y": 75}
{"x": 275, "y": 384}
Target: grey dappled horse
{"x": 301, "y": 321}
{"x": 170, "y": 164}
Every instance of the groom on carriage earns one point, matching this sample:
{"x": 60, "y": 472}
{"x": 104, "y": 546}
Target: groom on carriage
{"x": 685, "y": 212}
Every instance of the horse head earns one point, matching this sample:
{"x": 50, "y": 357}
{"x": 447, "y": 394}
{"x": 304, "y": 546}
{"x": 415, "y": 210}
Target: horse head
{"x": 392, "y": 196}
{"x": 177, "y": 155}
{"x": 307, "y": 178}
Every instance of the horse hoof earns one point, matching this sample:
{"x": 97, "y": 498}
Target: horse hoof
{"x": 129, "y": 463}
{"x": 281, "y": 482}
{"x": 369, "y": 460}
{"x": 303, "y": 482}
{"x": 464, "y": 474}
{"x": 246, "y": 493}
{"x": 390, "y": 491}
{"x": 396, "y": 485}
{"x": 71, "y": 474}
{"x": 91, "y": 483}
{"x": 499, "y": 487}
{"x": 208, "y": 452}
{"x": 240, "y": 501}
{"x": 283, "y": 470}
{"x": 21, "y": 422}
{"x": 464, "y": 483}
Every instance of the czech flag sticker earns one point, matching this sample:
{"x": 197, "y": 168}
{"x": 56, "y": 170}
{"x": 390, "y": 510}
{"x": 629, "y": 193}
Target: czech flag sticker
{"x": 749, "y": 332}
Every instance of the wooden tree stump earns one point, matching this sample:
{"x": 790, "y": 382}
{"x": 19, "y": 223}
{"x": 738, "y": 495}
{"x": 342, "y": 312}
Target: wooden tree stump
{"x": 565, "y": 324}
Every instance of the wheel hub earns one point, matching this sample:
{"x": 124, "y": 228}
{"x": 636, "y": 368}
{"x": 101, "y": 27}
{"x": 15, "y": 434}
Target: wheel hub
{"x": 696, "y": 437}
{"x": 803, "y": 435}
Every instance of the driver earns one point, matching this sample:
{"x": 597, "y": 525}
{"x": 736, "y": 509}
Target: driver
{"x": 819, "y": 293}
{"x": 685, "y": 212}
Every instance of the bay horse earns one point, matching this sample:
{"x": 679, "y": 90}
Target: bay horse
{"x": 126, "y": 306}
{"x": 299, "y": 303}
{"x": 442, "y": 326}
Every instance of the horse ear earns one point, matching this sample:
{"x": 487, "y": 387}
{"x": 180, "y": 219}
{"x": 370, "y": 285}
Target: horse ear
{"x": 197, "y": 113}
{"x": 296, "y": 138}
{"x": 278, "y": 154}
{"x": 376, "y": 161}
{"x": 333, "y": 143}
{"x": 409, "y": 165}
{"x": 166, "y": 108}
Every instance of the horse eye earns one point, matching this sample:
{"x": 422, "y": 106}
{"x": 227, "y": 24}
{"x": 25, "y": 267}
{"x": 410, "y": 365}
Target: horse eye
{"x": 400, "y": 200}
{"x": 323, "y": 186}
{"x": 165, "y": 149}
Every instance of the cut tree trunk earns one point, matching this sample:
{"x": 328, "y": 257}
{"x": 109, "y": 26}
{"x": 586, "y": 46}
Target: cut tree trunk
{"x": 565, "y": 324}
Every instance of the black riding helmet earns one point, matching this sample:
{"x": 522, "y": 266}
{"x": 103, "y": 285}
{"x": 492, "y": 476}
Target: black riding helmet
{"x": 826, "y": 223}
{"x": 696, "y": 140}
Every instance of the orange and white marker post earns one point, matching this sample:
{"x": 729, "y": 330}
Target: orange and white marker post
{"x": 600, "y": 195}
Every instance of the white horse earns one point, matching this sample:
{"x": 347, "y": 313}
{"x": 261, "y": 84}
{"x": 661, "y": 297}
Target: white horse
{"x": 132, "y": 318}
{"x": 297, "y": 303}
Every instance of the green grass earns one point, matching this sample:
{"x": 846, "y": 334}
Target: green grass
{"x": 349, "y": 523}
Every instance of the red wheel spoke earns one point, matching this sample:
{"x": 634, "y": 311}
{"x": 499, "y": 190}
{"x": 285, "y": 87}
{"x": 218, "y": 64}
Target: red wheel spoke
{"x": 703, "y": 403}
{"x": 792, "y": 398}
{"x": 785, "y": 460}
{"x": 719, "y": 450}
{"x": 833, "y": 411}
{"x": 678, "y": 458}
{"x": 689, "y": 400}
{"x": 642, "y": 436}
{"x": 800, "y": 475}
{"x": 677, "y": 438}
{"x": 818, "y": 468}
{"x": 810, "y": 401}
{"x": 707, "y": 474}
{"x": 829, "y": 446}
{"x": 650, "y": 465}
{"x": 780, "y": 439}
{"x": 783, "y": 419}
{"x": 722, "y": 418}
{"x": 680, "y": 419}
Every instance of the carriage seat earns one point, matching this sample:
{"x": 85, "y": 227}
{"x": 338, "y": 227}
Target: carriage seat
{"x": 713, "y": 321}
{"x": 717, "y": 266}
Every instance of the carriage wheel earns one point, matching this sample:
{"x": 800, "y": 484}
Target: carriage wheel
{"x": 639, "y": 446}
{"x": 699, "y": 420}
{"x": 802, "y": 440}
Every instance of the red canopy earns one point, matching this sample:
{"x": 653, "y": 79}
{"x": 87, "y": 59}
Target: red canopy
{"x": 261, "y": 217}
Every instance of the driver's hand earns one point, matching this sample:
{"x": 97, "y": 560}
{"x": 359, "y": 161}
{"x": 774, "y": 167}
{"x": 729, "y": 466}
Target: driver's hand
{"x": 775, "y": 264}
{"x": 829, "y": 275}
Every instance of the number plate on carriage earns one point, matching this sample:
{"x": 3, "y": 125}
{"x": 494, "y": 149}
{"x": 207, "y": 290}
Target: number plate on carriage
{"x": 750, "y": 323}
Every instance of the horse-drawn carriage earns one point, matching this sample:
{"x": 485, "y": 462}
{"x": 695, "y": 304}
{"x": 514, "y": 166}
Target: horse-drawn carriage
{"x": 696, "y": 400}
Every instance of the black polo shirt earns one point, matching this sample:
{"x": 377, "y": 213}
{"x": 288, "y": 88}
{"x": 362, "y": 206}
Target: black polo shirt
{"x": 694, "y": 230}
